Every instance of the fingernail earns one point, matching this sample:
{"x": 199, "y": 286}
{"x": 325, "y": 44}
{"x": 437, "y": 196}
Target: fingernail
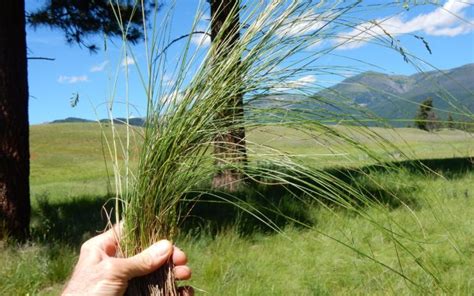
{"x": 162, "y": 247}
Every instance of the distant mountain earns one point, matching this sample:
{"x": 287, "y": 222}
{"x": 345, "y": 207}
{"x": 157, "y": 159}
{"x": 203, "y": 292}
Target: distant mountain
{"x": 71, "y": 120}
{"x": 395, "y": 98}
{"x": 135, "y": 121}
{"x": 398, "y": 96}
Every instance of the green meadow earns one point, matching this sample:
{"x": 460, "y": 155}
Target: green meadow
{"x": 316, "y": 249}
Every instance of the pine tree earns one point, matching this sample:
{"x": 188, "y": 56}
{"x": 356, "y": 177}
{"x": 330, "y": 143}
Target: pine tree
{"x": 230, "y": 143}
{"x": 14, "y": 127}
{"x": 82, "y": 19}
{"x": 450, "y": 121}
{"x": 79, "y": 20}
{"x": 426, "y": 118}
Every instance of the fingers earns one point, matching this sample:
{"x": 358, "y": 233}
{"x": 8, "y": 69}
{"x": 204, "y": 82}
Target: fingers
{"x": 186, "y": 291}
{"x": 145, "y": 262}
{"x": 182, "y": 272}
{"x": 179, "y": 257}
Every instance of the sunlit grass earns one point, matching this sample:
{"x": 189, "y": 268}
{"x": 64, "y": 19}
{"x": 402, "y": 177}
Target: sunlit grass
{"x": 174, "y": 161}
{"x": 60, "y": 163}
{"x": 307, "y": 262}
{"x": 296, "y": 261}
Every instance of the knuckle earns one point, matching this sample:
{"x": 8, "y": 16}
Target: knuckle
{"x": 147, "y": 261}
{"x": 86, "y": 247}
{"x": 108, "y": 265}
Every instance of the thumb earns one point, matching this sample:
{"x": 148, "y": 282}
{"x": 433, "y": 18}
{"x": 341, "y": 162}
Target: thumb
{"x": 147, "y": 261}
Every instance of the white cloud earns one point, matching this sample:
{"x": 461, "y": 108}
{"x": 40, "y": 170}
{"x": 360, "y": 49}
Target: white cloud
{"x": 128, "y": 61}
{"x": 315, "y": 44}
{"x": 304, "y": 81}
{"x": 306, "y": 23}
{"x": 201, "y": 40}
{"x": 72, "y": 79}
{"x": 443, "y": 21}
{"x": 99, "y": 67}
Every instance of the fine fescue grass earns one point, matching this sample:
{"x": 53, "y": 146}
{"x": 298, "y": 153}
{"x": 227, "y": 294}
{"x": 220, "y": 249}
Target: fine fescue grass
{"x": 316, "y": 194}
{"x": 242, "y": 257}
{"x": 304, "y": 262}
{"x": 253, "y": 58}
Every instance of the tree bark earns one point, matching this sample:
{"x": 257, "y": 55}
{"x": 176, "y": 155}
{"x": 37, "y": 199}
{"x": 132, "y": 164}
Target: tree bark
{"x": 14, "y": 127}
{"x": 229, "y": 148}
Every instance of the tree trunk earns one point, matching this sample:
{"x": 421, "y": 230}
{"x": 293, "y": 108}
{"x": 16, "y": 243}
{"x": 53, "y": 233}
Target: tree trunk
{"x": 14, "y": 129}
{"x": 229, "y": 148}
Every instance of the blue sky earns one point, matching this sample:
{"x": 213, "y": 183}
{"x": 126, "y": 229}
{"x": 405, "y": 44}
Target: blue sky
{"x": 75, "y": 70}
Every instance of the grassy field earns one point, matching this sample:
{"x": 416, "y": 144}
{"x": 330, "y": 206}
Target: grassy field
{"x": 69, "y": 189}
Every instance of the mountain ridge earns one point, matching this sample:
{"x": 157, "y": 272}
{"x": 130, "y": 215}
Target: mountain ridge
{"x": 398, "y": 96}
{"x": 134, "y": 121}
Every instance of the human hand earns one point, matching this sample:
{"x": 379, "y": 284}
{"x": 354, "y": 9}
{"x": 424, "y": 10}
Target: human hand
{"x": 98, "y": 272}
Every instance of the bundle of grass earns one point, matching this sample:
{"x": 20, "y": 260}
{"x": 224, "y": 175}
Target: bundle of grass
{"x": 194, "y": 137}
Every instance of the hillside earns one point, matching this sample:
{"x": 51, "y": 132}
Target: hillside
{"x": 397, "y": 96}
{"x": 134, "y": 121}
